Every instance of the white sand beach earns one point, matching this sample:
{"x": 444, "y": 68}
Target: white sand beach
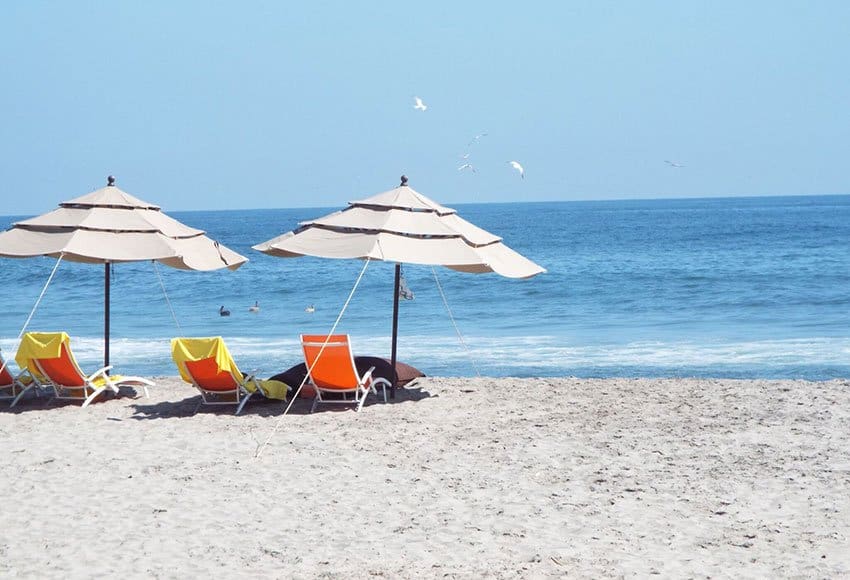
{"x": 464, "y": 478}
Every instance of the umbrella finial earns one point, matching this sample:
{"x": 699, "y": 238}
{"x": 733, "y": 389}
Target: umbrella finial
{"x": 403, "y": 181}
{"x": 110, "y": 181}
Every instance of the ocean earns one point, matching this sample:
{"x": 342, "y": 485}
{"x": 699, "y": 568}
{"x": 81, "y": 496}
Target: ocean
{"x": 732, "y": 287}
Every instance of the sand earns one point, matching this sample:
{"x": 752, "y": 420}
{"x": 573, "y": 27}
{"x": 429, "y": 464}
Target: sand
{"x": 459, "y": 478}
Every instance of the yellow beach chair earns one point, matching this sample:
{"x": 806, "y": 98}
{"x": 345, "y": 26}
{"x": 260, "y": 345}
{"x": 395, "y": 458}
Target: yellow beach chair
{"x": 48, "y": 357}
{"x": 206, "y": 364}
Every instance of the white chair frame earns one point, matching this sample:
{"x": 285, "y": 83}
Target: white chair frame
{"x": 19, "y": 388}
{"x": 89, "y": 390}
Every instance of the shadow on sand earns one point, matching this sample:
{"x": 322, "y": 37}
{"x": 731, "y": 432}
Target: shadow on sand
{"x": 45, "y": 401}
{"x": 264, "y": 407}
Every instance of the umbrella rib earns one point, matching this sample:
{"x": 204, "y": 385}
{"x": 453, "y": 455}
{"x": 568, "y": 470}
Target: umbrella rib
{"x": 218, "y": 249}
{"x": 355, "y": 230}
{"x": 76, "y": 228}
{"x": 108, "y": 206}
{"x": 374, "y": 231}
{"x": 400, "y": 208}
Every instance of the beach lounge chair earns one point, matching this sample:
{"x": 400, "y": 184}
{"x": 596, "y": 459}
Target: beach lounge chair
{"x": 13, "y": 386}
{"x": 48, "y": 356}
{"x": 206, "y": 364}
{"x": 331, "y": 370}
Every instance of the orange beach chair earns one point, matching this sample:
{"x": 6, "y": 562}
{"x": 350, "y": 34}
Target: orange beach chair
{"x": 331, "y": 369}
{"x": 206, "y": 364}
{"x": 48, "y": 356}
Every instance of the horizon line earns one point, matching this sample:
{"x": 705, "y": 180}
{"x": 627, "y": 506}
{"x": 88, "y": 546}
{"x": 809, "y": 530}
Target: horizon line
{"x": 540, "y": 201}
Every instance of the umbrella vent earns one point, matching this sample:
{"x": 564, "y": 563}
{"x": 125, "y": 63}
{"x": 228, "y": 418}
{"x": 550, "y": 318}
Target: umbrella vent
{"x": 110, "y": 181}
{"x": 403, "y": 181}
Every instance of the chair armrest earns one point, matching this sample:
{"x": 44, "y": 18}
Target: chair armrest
{"x": 252, "y": 378}
{"x": 100, "y": 372}
{"x": 382, "y": 381}
{"x": 367, "y": 376}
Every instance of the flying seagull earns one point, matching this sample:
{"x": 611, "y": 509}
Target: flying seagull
{"x": 673, "y": 163}
{"x": 466, "y": 166}
{"x": 518, "y": 167}
{"x": 477, "y": 138}
{"x": 419, "y": 104}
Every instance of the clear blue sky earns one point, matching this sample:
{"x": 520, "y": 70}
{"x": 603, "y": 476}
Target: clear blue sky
{"x": 219, "y": 105}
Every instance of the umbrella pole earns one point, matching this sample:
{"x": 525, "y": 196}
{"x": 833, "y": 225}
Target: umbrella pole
{"x": 395, "y": 330}
{"x": 106, "y": 314}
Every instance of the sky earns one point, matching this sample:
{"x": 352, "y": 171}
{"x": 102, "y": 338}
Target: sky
{"x": 266, "y": 104}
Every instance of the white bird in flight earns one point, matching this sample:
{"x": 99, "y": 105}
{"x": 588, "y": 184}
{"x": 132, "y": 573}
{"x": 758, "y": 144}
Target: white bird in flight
{"x": 477, "y": 138}
{"x": 419, "y": 104}
{"x": 518, "y": 167}
{"x": 466, "y": 166}
{"x": 673, "y": 163}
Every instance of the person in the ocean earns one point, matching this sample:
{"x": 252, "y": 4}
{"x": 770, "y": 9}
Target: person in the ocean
{"x": 255, "y": 307}
{"x": 223, "y": 312}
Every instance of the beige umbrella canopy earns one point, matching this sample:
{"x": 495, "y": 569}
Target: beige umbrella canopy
{"x": 109, "y": 226}
{"x": 402, "y": 226}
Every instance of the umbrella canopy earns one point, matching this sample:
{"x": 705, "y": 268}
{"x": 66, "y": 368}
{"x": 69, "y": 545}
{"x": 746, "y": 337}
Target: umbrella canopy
{"x": 402, "y": 226}
{"x": 109, "y": 226}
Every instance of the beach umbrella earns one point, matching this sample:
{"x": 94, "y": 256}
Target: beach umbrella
{"x": 402, "y": 226}
{"x": 110, "y": 226}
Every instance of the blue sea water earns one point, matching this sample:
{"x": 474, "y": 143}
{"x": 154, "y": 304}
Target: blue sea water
{"x": 732, "y": 287}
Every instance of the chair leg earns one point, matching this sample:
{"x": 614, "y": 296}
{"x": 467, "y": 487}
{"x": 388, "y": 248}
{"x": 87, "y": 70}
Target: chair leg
{"x": 93, "y": 396}
{"x": 362, "y": 400}
{"x": 145, "y": 384}
{"x": 315, "y": 402}
{"x": 242, "y": 404}
{"x": 20, "y": 395}
{"x": 383, "y": 387}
